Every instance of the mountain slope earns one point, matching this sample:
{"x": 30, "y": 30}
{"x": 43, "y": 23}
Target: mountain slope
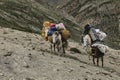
{"x": 103, "y": 14}
{"x": 24, "y": 14}
{"x": 26, "y": 56}
{"x": 28, "y": 15}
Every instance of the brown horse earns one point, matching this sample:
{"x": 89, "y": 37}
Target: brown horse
{"x": 96, "y": 53}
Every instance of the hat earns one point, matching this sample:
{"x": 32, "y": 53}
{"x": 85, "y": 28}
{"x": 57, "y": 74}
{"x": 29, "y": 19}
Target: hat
{"x": 87, "y": 27}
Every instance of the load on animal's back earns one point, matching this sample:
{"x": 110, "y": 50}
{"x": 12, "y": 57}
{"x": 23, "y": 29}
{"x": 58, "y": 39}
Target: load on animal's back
{"x": 45, "y": 28}
{"x": 49, "y": 28}
{"x": 49, "y": 31}
{"x": 92, "y": 41}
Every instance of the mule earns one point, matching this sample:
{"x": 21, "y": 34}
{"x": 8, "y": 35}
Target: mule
{"x": 95, "y": 50}
{"x": 96, "y": 53}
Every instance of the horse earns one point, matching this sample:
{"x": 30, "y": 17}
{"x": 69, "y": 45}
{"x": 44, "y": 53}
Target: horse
{"x": 96, "y": 53}
{"x": 87, "y": 44}
{"x": 95, "y": 50}
{"x": 57, "y": 40}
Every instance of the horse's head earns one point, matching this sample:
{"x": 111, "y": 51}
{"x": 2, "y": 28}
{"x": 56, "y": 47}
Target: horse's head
{"x": 56, "y": 37}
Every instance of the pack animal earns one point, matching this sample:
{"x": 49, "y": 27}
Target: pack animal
{"x": 96, "y": 50}
{"x": 96, "y": 53}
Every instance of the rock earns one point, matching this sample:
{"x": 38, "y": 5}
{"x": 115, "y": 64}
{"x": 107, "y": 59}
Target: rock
{"x": 5, "y": 32}
{"x": 75, "y": 50}
{"x": 29, "y": 79}
{"x": 16, "y": 38}
{"x": 4, "y": 38}
{"x": 26, "y": 66}
{"x": 1, "y": 74}
{"x": 85, "y": 79}
{"x": 2, "y": 43}
{"x": 58, "y": 70}
{"x": 8, "y": 53}
{"x": 30, "y": 56}
{"x": 43, "y": 54}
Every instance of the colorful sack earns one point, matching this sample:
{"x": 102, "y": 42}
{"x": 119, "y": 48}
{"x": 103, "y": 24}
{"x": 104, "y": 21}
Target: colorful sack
{"x": 52, "y": 25}
{"x": 50, "y": 32}
{"x": 60, "y": 26}
{"x": 53, "y": 28}
{"x": 43, "y": 34}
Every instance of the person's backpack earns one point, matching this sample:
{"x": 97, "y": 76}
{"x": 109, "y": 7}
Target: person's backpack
{"x": 60, "y": 26}
{"x": 102, "y": 35}
{"x": 93, "y": 35}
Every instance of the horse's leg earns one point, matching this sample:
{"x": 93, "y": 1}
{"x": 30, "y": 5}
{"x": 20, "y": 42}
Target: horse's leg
{"x": 54, "y": 47}
{"x": 97, "y": 61}
{"x": 102, "y": 61}
{"x": 93, "y": 60}
{"x": 63, "y": 48}
{"x": 51, "y": 47}
{"x": 58, "y": 47}
{"x": 89, "y": 55}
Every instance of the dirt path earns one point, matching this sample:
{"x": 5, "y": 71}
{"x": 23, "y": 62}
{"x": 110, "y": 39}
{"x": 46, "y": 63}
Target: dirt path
{"x": 25, "y": 56}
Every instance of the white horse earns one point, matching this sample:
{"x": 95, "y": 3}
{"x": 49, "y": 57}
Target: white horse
{"x": 87, "y": 44}
{"x": 56, "y": 41}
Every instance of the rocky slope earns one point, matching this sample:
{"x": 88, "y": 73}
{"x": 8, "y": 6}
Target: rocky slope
{"x": 24, "y": 14}
{"x": 28, "y": 15}
{"x": 26, "y": 56}
{"x": 103, "y": 14}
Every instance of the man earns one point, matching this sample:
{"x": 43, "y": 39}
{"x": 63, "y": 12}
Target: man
{"x": 92, "y": 33}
